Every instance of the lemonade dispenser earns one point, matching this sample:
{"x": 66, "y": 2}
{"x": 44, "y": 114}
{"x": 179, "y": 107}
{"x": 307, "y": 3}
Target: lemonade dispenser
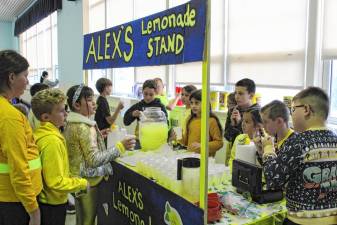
{"x": 153, "y": 129}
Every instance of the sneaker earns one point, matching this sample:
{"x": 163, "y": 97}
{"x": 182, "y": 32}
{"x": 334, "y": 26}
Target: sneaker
{"x": 70, "y": 208}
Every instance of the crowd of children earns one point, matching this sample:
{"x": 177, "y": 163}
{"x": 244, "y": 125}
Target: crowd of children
{"x": 55, "y": 152}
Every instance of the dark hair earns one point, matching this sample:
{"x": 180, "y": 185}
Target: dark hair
{"x": 37, "y": 87}
{"x": 231, "y": 102}
{"x": 101, "y": 83}
{"x": 316, "y": 98}
{"x": 189, "y": 88}
{"x": 10, "y": 62}
{"x": 150, "y": 84}
{"x": 276, "y": 109}
{"x": 86, "y": 92}
{"x": 43, "y": 76}
{"x": 256, "y": 116}
{"x": 197, "y": 95}
{"x": 248, "y": 84}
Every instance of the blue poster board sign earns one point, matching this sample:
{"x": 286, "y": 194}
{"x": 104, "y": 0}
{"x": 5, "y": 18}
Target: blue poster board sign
{"x": 128, "y": 198}
{"x": 173, "y": 36}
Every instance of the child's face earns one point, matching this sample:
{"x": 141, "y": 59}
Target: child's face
{"x": 242, "y": 97}
{"x": 298, "y": 115}
{"x": 87, "y": 107}
{"x": 148, "y": 94}
{"x": 248, "y": 126}
{"x": 160, "y": 87}
{"x": 185, "y": 97}
{"x": 108, "y": 90}
{"x": 270, "y": 126}
{"x": 58, "y": 115}
{"x": 196, "y": 106}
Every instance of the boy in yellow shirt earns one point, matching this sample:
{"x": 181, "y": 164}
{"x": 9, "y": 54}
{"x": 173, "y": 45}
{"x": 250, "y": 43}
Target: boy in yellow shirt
{"x": 49, "y": 107}
{"x": 275, "y": 118}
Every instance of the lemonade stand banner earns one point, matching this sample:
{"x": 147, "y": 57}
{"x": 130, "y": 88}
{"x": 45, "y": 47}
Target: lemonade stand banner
{"x": 129, "y": 198}
{"x": 173, "y": 36}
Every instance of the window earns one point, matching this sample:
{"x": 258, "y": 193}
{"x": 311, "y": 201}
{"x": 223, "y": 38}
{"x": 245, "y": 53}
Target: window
{"x": 267, "y": 41}
{"x": 39, "y": 45}
{"x": 191, "y": 73}
{"x": 329, "y": 54}
{"x": 333, "y": 91}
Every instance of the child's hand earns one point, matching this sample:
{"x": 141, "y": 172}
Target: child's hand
{"x": 105, "y": 132}
{"x": 173, "y": 135}
{"x": 235, "y": 117}
{"x": 129, "y": 142}
{"x": 268, "y": 144}
{"x": 258, "y": 144}
{"x": 195, "y": 147}
{"x": 120, "y": 106}
{"x": 136, "y": 113}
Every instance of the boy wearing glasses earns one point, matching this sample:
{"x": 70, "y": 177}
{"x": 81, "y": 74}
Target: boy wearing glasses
{"x": 306, "y": 165}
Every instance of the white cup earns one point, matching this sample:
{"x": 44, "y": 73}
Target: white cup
{"x": 179, "y": 133}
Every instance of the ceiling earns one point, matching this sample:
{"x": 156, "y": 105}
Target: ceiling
{"x": 10, "y": 9}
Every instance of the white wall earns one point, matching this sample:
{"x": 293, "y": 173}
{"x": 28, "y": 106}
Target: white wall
{"x": 6, "y": 35}
{"x": 70, "y": 43}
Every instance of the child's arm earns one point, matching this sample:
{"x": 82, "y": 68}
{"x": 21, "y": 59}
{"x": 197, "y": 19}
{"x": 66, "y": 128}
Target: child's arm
{"x": 128, "y": 116}
{"x": 111, "y": 119}
{"x": 172, "y": 103}
{"x": 93, "y": 156}
{"x": 215, "y": 139}
{"x": 54, "y": 167}
{"x": 231, "y": 131}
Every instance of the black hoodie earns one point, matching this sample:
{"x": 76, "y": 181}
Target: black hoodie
{"x": 129, "y": 118}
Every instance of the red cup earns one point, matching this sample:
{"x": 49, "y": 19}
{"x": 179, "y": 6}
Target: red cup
{"x": 178, "y": 91}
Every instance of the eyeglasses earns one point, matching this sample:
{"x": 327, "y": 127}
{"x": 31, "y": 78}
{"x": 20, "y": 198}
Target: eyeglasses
{"x": 294, "y": 108}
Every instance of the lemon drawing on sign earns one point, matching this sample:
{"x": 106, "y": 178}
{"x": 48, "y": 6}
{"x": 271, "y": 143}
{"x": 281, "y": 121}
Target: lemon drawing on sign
{"x": 171, "y": 215}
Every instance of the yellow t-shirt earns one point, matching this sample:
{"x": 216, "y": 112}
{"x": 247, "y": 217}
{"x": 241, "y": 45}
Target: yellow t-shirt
{"x": 194, "y": 135}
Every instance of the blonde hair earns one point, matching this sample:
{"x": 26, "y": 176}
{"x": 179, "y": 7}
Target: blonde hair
{"x": 44, "y": 101}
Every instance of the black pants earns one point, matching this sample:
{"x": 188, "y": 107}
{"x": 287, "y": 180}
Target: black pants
{"x": 288, "y": 222}
{"x": 13, "y": 213}
{"x": 53, "y": 214}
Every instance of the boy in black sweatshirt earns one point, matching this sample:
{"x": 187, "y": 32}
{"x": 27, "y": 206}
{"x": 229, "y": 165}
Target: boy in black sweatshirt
{"x": 244, "y": 93}
{"x": 306, "y": 164}
{"x": 149, "y": 100}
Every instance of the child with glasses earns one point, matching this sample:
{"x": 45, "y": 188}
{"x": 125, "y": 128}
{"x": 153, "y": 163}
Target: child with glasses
{"x": 306, "y": 164}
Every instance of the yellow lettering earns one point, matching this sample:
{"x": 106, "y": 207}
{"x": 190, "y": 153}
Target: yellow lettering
{"x": 99, "y": 57}
{"x": 107, "y": 45}
{"x": 150, "y": 47}
{"x": 157, "y": 39}
{"x": 170, "y": 42}
{"x": 156, "y": 23}
{"x": 164, "y": 22}
{"x": 128, "y": 40}
{"x": 163, "y": 46}
{"x": 186, "y": 15}
{"x": 144, "y": 32}
{"x": 116, "y": 42}
{"x": 192, "y": 18}
{"x": 180, "y": 21}
{"x": 91, "y": 50}
{"x": 172, "y": 20}
{"x": 179, "y": 43}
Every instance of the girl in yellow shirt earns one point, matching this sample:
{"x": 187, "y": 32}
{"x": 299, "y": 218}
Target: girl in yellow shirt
{"x": 192, "y": 137}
